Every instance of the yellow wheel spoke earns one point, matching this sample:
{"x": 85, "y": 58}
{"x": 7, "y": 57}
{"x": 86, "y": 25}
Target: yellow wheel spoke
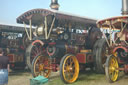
{"x": 110, "y": 70}
{"x": 113, "y": 75}
{"x": 69, "y": 75}
{"x": 66, "y": 64}
{"x": 71, "y": 62}
{"x": 112, "y": 62}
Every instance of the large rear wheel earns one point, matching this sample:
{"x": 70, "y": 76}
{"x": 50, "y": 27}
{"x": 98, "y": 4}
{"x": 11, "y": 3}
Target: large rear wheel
{"x": 111, "y": 68}
{"x": 32, "y": 51}
{"x": 100, "y": 52}
{"x": 69, "y": 68}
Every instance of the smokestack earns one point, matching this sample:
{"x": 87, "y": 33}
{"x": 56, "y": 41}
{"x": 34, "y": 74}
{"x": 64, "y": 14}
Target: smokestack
{"x": 124, "y": 7}
{"x": 54, "y": 4}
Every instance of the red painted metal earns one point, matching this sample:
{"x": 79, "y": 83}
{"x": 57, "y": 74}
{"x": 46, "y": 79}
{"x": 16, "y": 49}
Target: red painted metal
{"x": 50, "y": 54}
{"x": 84, "y": 57}
{"x": 81, "y": 57}
{"x": 121, "y": 69}
{"x": 55, "y": 67}
{"x": 38, "y": 41}
{"x": 11, "y": 58}
{"x": 52, "y": 43}
{"x": 126, "y": 68}
{"x": 120, "y": 47}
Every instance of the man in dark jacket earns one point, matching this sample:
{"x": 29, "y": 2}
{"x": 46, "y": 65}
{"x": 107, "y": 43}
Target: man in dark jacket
{"x": 4, "y": 68}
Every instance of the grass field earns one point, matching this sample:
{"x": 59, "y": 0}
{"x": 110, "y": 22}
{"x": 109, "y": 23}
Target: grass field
{"x": 85, "y": 78}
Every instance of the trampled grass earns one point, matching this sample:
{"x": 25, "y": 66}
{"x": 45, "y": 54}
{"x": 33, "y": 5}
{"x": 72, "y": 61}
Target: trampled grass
{"x": 85, "y": 78}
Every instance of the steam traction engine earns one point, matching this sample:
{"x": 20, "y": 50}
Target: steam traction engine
{"x": 117, "y": 58}
{"x": 60, "y": 42}
{"x": 12, "y": 40}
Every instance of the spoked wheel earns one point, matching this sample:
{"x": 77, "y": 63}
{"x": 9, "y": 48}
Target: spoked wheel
{"x": 34, "y": 50}
{"x": 69, "y": 68}
{"x": 111, "y": 68}
{"x": 41, "y": 66}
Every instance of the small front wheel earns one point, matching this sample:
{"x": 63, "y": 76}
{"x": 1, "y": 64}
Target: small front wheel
{"x": 41, "y": 66}
{"x": 69, "y": 68}
{"x": 111, "y": 68}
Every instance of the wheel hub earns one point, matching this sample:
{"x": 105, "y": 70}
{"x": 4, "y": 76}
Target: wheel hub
{"x": 68, "y": 68}
{"x": 41, "y": 67}
{"x": 112, "y": 68}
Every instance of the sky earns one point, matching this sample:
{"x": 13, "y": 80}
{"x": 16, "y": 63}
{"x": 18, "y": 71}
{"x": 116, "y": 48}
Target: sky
{"x": 97, "y": 9}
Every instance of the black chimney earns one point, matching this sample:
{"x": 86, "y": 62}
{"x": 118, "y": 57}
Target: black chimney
{"x": 124, "y": 7}
{"x": 54, "y": 4}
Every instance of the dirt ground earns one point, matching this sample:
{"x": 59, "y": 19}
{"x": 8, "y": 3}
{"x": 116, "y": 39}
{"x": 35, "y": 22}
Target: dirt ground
{"x": 86, "y": 78}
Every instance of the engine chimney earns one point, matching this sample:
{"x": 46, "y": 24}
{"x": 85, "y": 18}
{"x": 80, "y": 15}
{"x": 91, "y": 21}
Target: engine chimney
{"x": 124, "y": 7}
{"x": 54, "y": 4}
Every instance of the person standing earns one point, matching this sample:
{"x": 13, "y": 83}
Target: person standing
{"x": 4, "y": 68}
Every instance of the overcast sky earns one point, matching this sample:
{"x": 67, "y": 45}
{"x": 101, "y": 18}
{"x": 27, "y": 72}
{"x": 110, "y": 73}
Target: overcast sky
{"x": 99, "y": 9}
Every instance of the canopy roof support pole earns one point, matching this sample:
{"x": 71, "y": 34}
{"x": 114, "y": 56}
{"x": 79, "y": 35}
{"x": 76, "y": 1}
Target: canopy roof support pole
{"x": 110, "y": 34}
{"x": 30, "y": 22}
{"x": 106, "y": 38}
{"x": 116, "y": 38}
{"x": 46, "y": 27}
{"x": 122, "y": 27}
{"x": 26, "y": 30}
{"x": 51, "y": 27}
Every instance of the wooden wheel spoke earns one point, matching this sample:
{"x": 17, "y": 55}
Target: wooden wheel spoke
{"x": 34, "y": 53}
{"x": 36, "y": 49}
{"x": 111, "y": 63}
{"x": 65, "y": 68}
{"x": 110, "y": 70}
{"x": 66, "y": 64}
{"x": 72, "y": 72}
{"x": 68, "y": 75}
{"x": 114, "y": 62}
{"x": 71, "y": 62}
{"x": 45, "y": 72}
{"x": 113, "y": 74}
